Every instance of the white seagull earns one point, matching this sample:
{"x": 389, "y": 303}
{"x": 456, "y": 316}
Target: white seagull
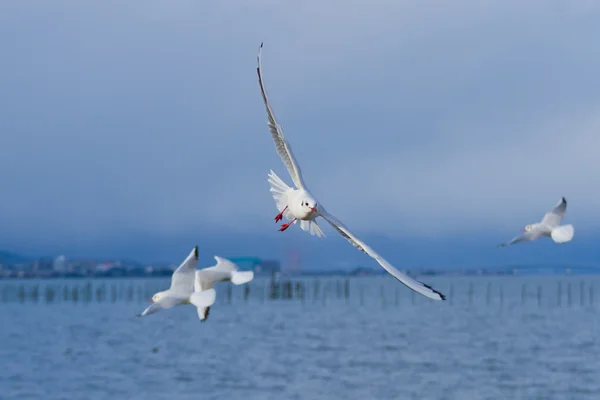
{"x": 298, "y": 204}
{"x": 223, "y": 271}
{"x": 182, "y": 289}
{"x": 550, "y": 226}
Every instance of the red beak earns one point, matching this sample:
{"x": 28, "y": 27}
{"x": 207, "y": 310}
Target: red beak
{"x": 151, "y": 301}
{"x": 314, "y": 209}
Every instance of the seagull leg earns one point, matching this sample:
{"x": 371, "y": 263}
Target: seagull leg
{"x": 279, "y": 216}
{"x": 285, "y": 226}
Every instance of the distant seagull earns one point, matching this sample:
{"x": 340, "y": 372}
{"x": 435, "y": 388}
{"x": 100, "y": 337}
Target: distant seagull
{"x": 550, "y": 226}
{"x": 224, "y": 271}
{"x": 182, "y": 289}
{"x": 299, "y": 204}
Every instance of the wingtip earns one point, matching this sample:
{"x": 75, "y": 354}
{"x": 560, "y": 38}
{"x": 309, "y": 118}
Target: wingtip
{"x": 442, "y": 297}
{"x": 259, "y": 52}
{"x": 196, "y": 252}
{"x": 564, "y": 200}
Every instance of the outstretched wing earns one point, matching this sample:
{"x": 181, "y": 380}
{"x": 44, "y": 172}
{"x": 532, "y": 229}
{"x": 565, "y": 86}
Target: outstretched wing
{"x": 527, "y": 237}
{"x": 554, "y": 217}
{"x": 413, "y": 284}
{"x": 225, "y": 265}
{"x": 182, "y": 281}
{"x": 281, "y": 145}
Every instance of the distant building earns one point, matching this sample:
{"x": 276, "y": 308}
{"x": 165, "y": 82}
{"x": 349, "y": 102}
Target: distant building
{"x": 267, "y": 267}
{"x": 60, "y": 264}
{"x": 256, "y": 264}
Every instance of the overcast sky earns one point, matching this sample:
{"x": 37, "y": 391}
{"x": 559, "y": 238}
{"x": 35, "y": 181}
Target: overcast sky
{"x": 433, "y": 119}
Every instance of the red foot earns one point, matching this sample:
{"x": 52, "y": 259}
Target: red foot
{"x": 285, "y": 226}
{"x": 279, "y": 216}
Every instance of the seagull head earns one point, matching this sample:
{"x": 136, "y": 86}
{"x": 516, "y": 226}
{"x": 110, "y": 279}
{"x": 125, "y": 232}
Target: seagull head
{"x": 309, "y": 204}
{"x": 156, "y": 297}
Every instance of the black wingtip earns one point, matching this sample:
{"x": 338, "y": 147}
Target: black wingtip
{"x": 258, "y": 57}
{"x": 206, "y": 316}
{"x": 435, "y": 291}
{"x": 564, "y": 200}
{"x": 196, "y": 252}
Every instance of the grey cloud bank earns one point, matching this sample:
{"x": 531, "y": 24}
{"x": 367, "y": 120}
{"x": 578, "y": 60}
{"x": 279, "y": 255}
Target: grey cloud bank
{"x": 124, "y": 123}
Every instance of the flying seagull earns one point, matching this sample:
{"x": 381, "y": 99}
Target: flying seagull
{"x": 182, "y": 289}
{"x": 298, "y": 204}
{"x": 550, "y": 226}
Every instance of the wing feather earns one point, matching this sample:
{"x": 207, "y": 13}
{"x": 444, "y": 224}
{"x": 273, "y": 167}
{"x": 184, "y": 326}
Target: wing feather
{"x": 413, "y": 284}
{"x": 182, "y": 281}
{"x": 554, "y": 217}
{"x": 527, "y": 237}
{"x": 281, "y": 145}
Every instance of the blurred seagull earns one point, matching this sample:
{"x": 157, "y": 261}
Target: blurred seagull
{"x": 550, "y": 226}
{"x": 182, "y": 289}
{"x": 298, "y": 204}
{"x": 223, "y": 271}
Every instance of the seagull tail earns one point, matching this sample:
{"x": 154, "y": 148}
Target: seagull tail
{"x": 279, "y": 190}
{"x": 563, "y": 233}
{"x": 312, "y": 227}
{"x": 241, "y": 277}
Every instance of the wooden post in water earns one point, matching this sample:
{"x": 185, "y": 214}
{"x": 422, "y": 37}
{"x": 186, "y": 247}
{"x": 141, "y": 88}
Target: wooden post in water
{"x": 49, "y": 294}
{"x": 569, "y": 294}
{"x": 21, "y": 293}
{"x": 229, "y": 293}
{"x": 361, "y": 294}
{"x": 246, "y": 292}
{"x": 451, "y": 294}
{"x": 412, "y": 297}
{"x": 140, "y": 292}
{"x": 75, "y": 293}
{"x": 88, "y": 292}
{"x": 315, "y": 290}
{"x": 347, "y": 290}
{"x": 471, "y": 290}
{"x": 130, "y": 293}
{"x": 35, "y": 293}
{"x": 559, "y": 294}
{"x": 581, "y": 299}
{"x": 100, "y": 293}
